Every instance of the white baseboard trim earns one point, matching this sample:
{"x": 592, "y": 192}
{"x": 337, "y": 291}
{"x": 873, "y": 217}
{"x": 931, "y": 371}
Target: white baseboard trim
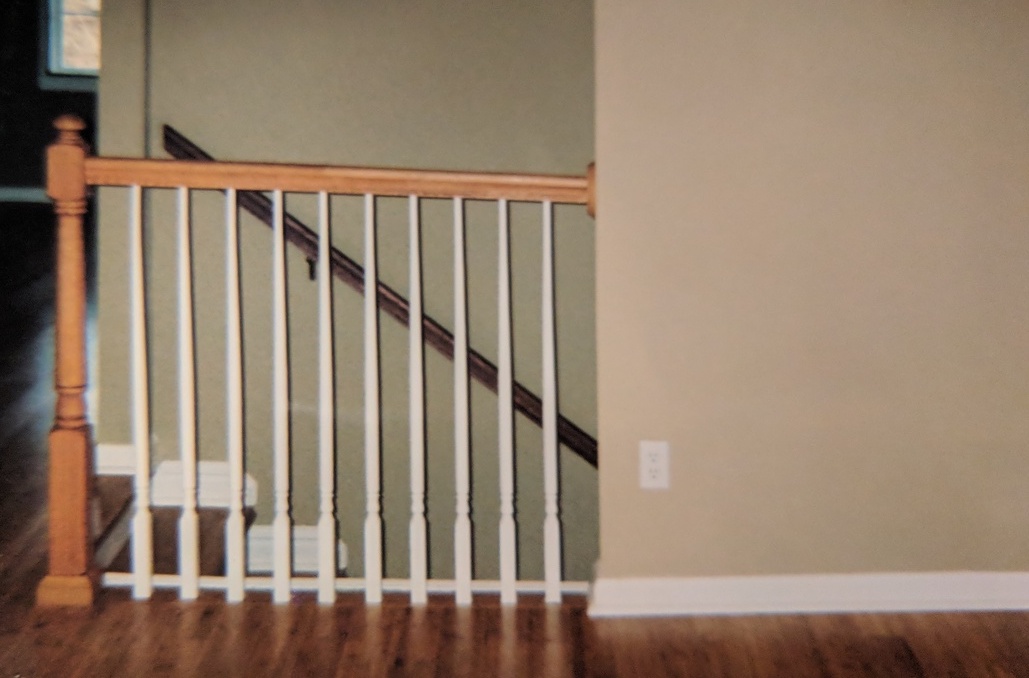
{"x": 212, "y": 485}
{"x": 114, "y": 459}
{"x": 825, "y": 593}
{"x": 119, "y": 459}
{"x": 260, "y": 549}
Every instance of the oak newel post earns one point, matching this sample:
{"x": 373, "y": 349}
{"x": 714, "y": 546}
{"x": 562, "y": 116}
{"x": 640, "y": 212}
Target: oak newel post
{"x": 72, "y": 577}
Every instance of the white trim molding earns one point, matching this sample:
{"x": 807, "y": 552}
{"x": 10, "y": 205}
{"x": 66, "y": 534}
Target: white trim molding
{"x": 114, "y": 459}
{"x": 119, "y": 459}
{"x": 261, "y": 544}
{"x": 819, "y": 593}
{"x": 212, "y": 485}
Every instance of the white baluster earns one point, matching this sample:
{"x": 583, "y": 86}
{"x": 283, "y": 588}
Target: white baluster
{"x": 235, "y": 526}
{"x": 505, "y": 411}
{"x": 551, "y": 521}
{"x": 189, "y": 528}
{"x": 281, "y": 525}
{"x": 462, "y": 444}
{"x": 326, "y": 403}
{"x": 142, "y": 522}
{"x": 373, "y": 516}
{"x": 417, "y": 530}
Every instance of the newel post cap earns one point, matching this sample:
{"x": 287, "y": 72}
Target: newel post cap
{"x": 65, "y": 159}
{"x": 69, "y": 123}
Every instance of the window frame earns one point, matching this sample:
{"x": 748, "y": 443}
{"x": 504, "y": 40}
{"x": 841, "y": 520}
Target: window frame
{"x": 53, "y": 74}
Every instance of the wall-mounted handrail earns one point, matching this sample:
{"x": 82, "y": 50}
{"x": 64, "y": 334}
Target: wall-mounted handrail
{"x": 392, "y": 302}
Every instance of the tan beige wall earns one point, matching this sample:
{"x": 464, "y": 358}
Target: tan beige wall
{"x": 812, "y": 276}
{"x": 470, "y": 85}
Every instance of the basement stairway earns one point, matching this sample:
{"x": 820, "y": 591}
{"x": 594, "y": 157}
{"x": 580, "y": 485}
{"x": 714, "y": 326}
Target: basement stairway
{"x": 114, "y": 510}
{"x": 391, "y": 302}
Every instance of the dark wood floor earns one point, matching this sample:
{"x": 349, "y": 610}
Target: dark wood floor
{"x": 164, "y": 637}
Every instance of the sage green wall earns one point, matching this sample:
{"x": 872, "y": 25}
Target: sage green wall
{"x": 812, "y": 266}
{"x": 463, "y": 85}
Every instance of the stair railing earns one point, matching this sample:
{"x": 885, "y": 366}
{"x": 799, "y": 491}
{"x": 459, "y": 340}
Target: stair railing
{"x": 391, "y": 302}
{"x": 72, "y": 578}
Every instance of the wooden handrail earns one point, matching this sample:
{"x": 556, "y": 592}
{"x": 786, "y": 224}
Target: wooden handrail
{"x": 151, "y": 173}
{"x": 71, "y": 577}
{"x": 392, "y": 302}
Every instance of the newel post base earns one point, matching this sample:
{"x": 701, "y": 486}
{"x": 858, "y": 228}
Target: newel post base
{"x": 57, "y": 590}
{"x": 72, "y": 578}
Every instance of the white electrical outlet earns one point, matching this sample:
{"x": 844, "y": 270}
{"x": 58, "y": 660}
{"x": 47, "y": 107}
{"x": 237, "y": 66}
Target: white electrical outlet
{"x": 654, "y": 465}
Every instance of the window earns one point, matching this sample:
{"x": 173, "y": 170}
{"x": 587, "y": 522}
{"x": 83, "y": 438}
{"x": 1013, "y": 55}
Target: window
{"x": 74, "y": 37}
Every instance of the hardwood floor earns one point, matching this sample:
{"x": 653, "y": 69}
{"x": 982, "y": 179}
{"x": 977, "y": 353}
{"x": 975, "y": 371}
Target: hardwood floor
{"x": 164, "y": 637}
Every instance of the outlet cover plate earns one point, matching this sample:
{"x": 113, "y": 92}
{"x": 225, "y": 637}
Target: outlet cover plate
{"x": 654, "y": 465}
